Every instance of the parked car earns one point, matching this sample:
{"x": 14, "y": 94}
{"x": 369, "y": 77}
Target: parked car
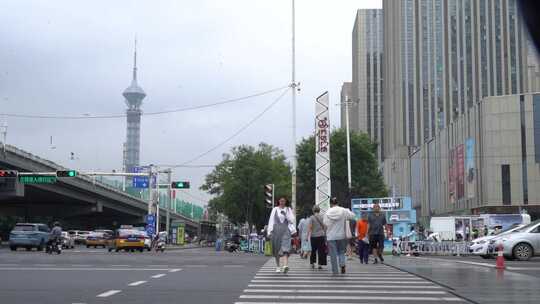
{"x": 147, "y": 241}
{"x": 79, "y": 236}
{"x": 480, "y": 246}
{"x": 29, "y": 235}
{"x": 521, "y": 244}
{"x": 126, "y": 239}
{"x": 67, "y": 240}
{"x": 95, "y": 239}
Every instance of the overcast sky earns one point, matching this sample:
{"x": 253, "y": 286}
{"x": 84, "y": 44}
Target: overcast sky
{"x": 75, "y": 58}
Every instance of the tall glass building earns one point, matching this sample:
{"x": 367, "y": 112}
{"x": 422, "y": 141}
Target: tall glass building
{"x": 441, "y": 57}
{"x": 366, "y": 110}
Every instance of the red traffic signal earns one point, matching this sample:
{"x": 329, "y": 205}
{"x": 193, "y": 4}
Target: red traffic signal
{"x": 8, "y": 173}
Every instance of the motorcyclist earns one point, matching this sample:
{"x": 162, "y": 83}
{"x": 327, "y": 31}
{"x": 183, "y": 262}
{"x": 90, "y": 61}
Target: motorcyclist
{"x": 56, "y": 234}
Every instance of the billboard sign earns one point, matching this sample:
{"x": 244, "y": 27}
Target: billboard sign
{"x": 470, "y": 171}
{"x": 460, "y": 171}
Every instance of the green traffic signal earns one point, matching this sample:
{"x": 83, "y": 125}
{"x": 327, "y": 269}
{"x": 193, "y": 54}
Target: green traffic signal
{"x": 67, "y": 173}
{"x": 180, "y": 185}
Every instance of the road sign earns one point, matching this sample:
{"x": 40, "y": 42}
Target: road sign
{"x": 37, "y": 179}
{"x": 141, "y": 181}
{"x": 150, "y": 230}
{"x": 151, "y": 219}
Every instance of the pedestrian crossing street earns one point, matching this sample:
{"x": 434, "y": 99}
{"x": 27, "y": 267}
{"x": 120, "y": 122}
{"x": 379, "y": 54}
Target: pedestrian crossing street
{"x": 361, "y": 284}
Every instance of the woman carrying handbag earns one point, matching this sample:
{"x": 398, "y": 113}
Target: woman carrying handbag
{"x": 317, "y": 236}
{"x": 281, "y": 227}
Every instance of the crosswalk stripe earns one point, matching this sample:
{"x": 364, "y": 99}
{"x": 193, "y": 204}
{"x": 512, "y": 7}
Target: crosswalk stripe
{"x": 337, "y": 281}
{"x": 362, "y": 284}
{"x": 370, "y": 291}
{"x": 386, "y": 298}
{"x": 344, "y": 286}
{"x": 287, "y": 277}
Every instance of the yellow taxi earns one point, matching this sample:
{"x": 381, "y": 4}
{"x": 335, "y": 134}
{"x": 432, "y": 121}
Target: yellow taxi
{"x": 96, "y": 239}
{"x": 127, "y": 240}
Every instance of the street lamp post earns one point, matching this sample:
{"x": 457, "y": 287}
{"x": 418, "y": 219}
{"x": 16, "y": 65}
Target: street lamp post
{"x": 293, "y": 92}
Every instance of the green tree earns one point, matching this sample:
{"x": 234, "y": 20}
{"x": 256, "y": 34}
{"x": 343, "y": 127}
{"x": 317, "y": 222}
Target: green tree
{"x": 238, "y": 183}
{"x": 366, "y": 178}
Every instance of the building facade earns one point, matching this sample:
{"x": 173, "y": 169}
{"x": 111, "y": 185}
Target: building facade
{"x": 441, "y": 58}
{"x": 367, "y": 76}
{"x": 487, "y": 160}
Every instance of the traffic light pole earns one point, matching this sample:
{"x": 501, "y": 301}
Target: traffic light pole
{"x": 169, "y": 181}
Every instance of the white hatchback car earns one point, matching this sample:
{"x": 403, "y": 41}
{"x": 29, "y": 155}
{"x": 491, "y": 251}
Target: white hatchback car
{"x": 481, "y": 245}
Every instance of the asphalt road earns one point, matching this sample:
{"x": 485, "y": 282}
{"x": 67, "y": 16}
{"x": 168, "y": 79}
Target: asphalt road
{"x": 201, "y": 275}
{"x": 198, "y": 275}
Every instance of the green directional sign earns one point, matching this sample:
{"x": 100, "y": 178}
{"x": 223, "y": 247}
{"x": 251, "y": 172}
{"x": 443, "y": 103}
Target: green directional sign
{"x": 37, "y": 179}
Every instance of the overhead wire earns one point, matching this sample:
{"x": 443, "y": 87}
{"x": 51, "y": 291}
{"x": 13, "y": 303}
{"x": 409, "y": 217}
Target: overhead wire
{"x": 243, "y": 128}
{"x": 109, "y": 116}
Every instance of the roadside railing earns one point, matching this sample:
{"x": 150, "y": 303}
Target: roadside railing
{"x": 442, "y": 248}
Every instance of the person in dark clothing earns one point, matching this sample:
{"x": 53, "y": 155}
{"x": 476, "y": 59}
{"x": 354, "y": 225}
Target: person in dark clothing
{"x": 376, "y": 226}
{"x": 317, "y": 235}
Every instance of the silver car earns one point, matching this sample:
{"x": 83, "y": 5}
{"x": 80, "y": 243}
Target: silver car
{"x": 521, "y": 244}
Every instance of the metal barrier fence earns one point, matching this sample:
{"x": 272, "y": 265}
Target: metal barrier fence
{"x": 432, "y": 248}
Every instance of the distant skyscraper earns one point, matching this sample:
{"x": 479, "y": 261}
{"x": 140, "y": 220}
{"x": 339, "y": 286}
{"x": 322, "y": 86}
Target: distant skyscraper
{"x": 367, "y": 75}
{"x": 134, "y": 96}
{"x": 444, "y": 56}
{"x": 440, "y": 58}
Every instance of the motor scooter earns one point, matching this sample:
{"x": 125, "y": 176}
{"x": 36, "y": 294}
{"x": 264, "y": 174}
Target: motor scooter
{"x": 54, "y": 245}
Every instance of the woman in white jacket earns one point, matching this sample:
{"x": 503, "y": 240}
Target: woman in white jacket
{"x": 281, "y": 226}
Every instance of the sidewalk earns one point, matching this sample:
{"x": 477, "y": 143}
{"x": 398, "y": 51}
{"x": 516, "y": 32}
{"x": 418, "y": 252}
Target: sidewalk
{"x": 478, "y": 283}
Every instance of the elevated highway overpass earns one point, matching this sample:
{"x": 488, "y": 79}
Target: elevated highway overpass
{"x": 79, "y": 202}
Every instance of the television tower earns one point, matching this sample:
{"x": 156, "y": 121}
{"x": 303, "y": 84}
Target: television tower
{"x": 134, "y": 96}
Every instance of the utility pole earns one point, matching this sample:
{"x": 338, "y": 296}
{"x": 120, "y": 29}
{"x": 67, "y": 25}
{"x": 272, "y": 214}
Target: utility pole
{"x": 169, "y": 182}
{"x": 3, "y": 130}
{"x": 293, "y": 92}
{"x": 349, "y": 178}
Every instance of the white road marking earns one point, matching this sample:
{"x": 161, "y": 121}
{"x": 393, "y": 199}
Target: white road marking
{"x": 80, "y": 265}
{"x": 371, "y": 291}
{"x": 80, "y": 269}
{"x": 345, "y": 286}
{"x": 335, "y": 281}
{"x": 234, "y": 266}
{"x": 523, "y": 268}
{"x": 119, "y": 265}
{"x": 375, "y": 298}
{"x": 108, "y": 293}
{"x": 175, "y": 270}
{"x": 155, "y": 266}
{"x": 288, "y": 277}
{"x": 157, "y": 276}
{"x": 196, "y": 266}
{"x": 137, "y": 283}
{"x": 44, "y": 265}
{"x": 3, "y": 265}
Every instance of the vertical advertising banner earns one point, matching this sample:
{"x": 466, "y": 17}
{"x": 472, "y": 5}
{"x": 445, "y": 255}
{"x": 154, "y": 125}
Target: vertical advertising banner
{"x": 460, "y": 172}
{"x": 451, "y": 177}
{"x": 322, "y": 152}
{"x": 470, "y": 172}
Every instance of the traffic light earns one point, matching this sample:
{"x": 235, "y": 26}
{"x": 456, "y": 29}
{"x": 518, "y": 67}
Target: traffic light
{"x": 8, "y": 173}
{"x": 269, "y": 194}
{"x": 180, "y": 185}
{"x": 67, "y": 173}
